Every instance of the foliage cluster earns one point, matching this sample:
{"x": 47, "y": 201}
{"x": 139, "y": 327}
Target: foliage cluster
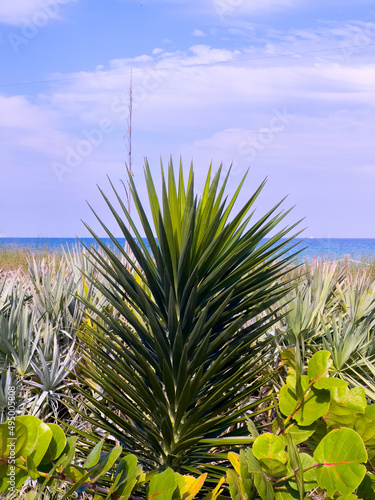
{"x": 165, "y": 351}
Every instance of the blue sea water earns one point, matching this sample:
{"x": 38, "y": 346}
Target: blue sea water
{"x": 329, "y": 248}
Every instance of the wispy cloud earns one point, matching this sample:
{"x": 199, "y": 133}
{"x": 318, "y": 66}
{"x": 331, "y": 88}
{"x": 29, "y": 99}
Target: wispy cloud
{"x": 19, "y": 12}
{"x": 211, "y": 104}
{"x": 30, "y": 127}
{"x": 198, "y": 33}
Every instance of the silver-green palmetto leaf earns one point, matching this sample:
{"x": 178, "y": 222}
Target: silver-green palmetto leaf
{"x": 182, "y": 360}
{"x": 52, "y": 376}
{"x": 10, "y": 400}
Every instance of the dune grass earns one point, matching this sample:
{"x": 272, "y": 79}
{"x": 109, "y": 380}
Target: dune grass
{"x": 14, "y": 258}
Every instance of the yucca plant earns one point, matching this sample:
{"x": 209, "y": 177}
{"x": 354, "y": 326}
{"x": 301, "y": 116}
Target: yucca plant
{"x": 181, "y": 363}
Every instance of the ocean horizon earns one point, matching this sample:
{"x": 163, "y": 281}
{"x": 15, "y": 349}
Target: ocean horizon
{"x": 328, "y": 248}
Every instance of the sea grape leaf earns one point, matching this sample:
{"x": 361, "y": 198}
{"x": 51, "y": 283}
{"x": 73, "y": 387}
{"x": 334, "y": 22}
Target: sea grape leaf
{"x": 31, "y": 468}
{"x": 341, "y": 454}
{"x": 291, "y": 379}
{"x": 348, "y": 497}
{"x": 272, "y": 467}
{"x": 321, "y": 431}
{"x": 354, "y": 399}
{"x": 39, "y": 436}
{"x": 268, "y": 446}
{"x": 371, "y": 455}
{"x": 339, "y": 416}
{"x": 162, "y": 485}
{"x": 74, "y": 473}
{"x": 330, "y": 383}
{"x": 319, "y": 365}
{"x": 314, "y": 405}
{"x": 56, "y": 445}
{"x": 370, "y": 411}
{"x": 300, "y": 434}
{"x": 12, "y": 438}
{"x": 365, "y": 426}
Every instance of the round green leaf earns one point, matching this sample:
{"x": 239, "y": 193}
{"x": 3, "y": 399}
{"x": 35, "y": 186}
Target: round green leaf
{"x": 348, "y": 497}
{"x": 39, "y": 436}
{"x": 272, "y": 467}
{"x": 300, "y": 434}
{"x": 339, "y": 416}
{"x": 315, "y": 405}
{"x": 270, "y": 447}
{"x": 365, "y": 426}
{"x": 341, "y": 454}
{"x": 354, "y": 399}
{"x": 162, "y": 486}
{"x": 370, "y": 411}
{"x": 319, "y": 365}
{"x": 31, "y": 468}
{"x": 56, "y": 445}
{"x": 14, "y": 434}
{"x": 330, "y": 383}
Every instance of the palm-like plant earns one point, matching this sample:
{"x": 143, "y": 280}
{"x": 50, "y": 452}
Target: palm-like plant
{"x": 182, "y": 360}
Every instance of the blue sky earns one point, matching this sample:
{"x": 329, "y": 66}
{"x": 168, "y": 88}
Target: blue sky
{"x": 284, "y": 87}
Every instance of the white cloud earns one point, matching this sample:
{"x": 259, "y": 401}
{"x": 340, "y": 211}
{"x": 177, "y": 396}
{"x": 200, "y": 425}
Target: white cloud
{"x": 205, "y": 86}
{"x": 241, "y": 7}
{"x": 209, "y": 103}
{"x": 29, "y": 126}
{"x": 198, "y": 33}
{"x": 37, "y": 12}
